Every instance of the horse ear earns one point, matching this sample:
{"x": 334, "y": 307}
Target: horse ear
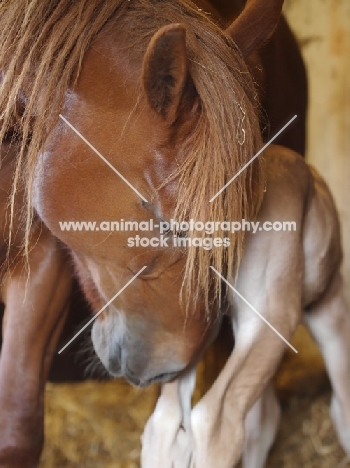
{"x": 165, "y": 70}
{"x": 255, "y": 24}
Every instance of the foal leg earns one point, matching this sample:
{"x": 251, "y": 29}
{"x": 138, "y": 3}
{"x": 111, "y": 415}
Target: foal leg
{"x": 218, "y": 420}
{"x": 35, "y": 312}
{"x": 329, "y": 322}
{"x": 167, "y": 438}
{"x": 261, "y": 426}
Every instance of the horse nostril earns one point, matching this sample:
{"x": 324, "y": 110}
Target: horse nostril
{"x": 118, "y": 352}
{"x": 114, "y": 360}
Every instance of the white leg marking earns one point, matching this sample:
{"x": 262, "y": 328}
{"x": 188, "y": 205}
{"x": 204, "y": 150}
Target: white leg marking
{"x": 167, "y": 437}
{"x": 261, "y": 426}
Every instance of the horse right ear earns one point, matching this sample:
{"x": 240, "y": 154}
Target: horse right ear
{"x": 165, "y": 71}
{"x": 255, "y": 24}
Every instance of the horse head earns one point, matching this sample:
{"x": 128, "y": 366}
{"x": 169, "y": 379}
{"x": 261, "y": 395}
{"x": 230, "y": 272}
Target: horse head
{"x": 174, "y": 111}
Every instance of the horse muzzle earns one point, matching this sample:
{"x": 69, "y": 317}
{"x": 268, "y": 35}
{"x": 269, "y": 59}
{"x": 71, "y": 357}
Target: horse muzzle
{"x": 129, "y": 355}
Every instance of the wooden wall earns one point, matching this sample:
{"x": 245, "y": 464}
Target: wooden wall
{"x": 323, "y": 30}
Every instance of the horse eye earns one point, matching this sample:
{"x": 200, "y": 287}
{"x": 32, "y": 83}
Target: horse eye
{"x": 146, "y": 205}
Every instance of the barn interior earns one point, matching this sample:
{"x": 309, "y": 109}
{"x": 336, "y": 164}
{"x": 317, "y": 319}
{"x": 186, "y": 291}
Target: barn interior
{"x": 98, "y": 422}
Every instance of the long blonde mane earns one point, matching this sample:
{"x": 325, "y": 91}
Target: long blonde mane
{"x": 42, "y": 46}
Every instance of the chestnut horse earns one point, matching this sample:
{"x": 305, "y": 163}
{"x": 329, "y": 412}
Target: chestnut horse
{"x": 166, "y": 97}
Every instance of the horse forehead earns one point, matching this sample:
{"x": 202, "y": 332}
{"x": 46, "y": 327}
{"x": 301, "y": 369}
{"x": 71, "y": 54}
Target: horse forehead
{"x": 109, "y": 76}
{"x": 108, "y": 104}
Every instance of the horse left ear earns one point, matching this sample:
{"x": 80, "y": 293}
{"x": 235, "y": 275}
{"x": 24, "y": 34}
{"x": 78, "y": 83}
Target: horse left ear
{"x": 165, "y": 70}
{"x": 255, "y": 24}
